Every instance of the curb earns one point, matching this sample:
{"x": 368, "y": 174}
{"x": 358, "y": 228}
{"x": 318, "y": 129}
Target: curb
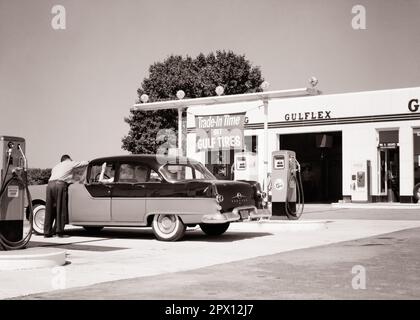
{"x": 296, "y": 225}
{"x": 32, "y": 258}
{"x": 405, "y": 206}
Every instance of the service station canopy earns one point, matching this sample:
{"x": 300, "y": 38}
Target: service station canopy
{"x": 264, "y": 96}
{"x": 182, "y": 104}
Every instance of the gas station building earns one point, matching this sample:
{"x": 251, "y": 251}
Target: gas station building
{"x": 359, "y": 146}
{"x": 362, "y": 146}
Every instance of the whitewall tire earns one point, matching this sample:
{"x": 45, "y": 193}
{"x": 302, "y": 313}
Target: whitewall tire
{"x": 168, "y": 227}
{"x": 39, "y": 218}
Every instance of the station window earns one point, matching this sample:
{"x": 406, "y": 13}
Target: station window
{"x": 220, "y": 162}
{"x": 416, "y": 142}
{"x": 251, "y": 143}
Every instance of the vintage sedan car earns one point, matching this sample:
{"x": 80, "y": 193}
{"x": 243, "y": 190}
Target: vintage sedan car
{"x": 166, "y": 193}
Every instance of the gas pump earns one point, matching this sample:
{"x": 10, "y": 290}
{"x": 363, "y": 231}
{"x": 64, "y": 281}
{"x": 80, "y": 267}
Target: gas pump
{"x": 246, "y": 166}
{"x": 286, "y": 185}
{"x": 13, "y": 187}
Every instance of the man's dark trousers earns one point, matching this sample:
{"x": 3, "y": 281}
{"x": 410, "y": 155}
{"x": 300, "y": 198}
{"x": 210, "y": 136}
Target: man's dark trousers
{"x": 56, "y": 207}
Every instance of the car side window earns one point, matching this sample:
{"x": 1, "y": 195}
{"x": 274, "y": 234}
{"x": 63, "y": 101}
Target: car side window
{"x": 199, "y": 175}
{"x": 133, "y": 173}
{"x": 180, "y": 172}
{"x": 154, "y": 176}
{"x": 96, "y": 169}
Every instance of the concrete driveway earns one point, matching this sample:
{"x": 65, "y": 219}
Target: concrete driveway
{"x": 118, "y": 254}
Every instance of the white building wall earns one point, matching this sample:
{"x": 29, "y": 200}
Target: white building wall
{"x": 359, "y": 145}
{"x": 406, "y": 158}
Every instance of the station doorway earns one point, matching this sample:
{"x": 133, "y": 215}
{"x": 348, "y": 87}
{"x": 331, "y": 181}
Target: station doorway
{"x": 320, "y": 156}
{"x": 389, "y": 161}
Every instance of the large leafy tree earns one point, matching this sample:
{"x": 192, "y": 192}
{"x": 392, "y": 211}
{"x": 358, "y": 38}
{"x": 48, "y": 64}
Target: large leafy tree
{"x": 197, "y": 77}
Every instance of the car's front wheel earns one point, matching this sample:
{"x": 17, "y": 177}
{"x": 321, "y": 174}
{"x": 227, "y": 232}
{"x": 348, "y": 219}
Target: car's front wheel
{"x": 39, "y": 218}
{"x": 168, "y": 227}
{"x": 214, "y": 229}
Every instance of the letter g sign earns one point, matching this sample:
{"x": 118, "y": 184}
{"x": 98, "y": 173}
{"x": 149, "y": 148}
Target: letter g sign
{"x": 413, "y": 105}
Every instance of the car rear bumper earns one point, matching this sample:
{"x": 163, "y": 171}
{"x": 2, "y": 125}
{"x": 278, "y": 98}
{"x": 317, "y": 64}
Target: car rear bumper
{"x": 248, "y": 214}
{"x": 245, "y": 213}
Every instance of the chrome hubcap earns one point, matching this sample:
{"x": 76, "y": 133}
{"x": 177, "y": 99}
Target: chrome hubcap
{"x": 167, "y": 223}
{"x": 39, "y": 219}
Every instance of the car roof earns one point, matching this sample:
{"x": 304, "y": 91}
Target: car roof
{"x": 152, "y": 160}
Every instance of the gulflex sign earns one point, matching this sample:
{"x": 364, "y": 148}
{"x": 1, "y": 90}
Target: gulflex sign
{"x": 301, "y": 116}
{"x": 220, "y": 132}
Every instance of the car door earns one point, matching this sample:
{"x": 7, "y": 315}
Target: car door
{"x": 128, "y": 203}
{"x": 90, "y": 200}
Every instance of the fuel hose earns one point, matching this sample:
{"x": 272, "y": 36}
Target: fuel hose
{"x": 296, "y": 179}
{"x": 23, "y": 181}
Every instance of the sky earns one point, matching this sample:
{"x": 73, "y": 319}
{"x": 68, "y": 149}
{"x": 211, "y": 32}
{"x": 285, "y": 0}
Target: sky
{"x": 68, "y": 91}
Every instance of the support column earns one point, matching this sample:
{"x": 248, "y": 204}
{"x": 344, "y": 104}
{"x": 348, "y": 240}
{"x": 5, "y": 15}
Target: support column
{"x": 180, "y": 131}
{"x": 266, "y": 155}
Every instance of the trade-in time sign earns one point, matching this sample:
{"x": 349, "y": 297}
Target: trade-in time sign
{"x": 220, "y": 132}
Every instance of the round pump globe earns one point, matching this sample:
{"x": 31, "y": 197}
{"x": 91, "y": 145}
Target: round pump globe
{"x": 219, "y": 90}
{"x": 144, "y": 98}
{"x": 313, "y": 81}
{"x": 180, "y": 94}
{"x": 264, "y": 85}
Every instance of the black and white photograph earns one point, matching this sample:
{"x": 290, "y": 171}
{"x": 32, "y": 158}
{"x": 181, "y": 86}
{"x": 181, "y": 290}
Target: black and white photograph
{"x": 209, "y": 155}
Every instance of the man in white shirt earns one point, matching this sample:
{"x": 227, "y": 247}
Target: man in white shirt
{"x": 56, "y": 206}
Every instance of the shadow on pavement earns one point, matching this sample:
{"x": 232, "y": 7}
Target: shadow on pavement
{"x": 227, "y": 237}
{"x": 77, "y": 245}
{"x": 134, "y": 234}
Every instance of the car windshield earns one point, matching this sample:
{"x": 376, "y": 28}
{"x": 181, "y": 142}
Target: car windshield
{"x": 189, "y": 171}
